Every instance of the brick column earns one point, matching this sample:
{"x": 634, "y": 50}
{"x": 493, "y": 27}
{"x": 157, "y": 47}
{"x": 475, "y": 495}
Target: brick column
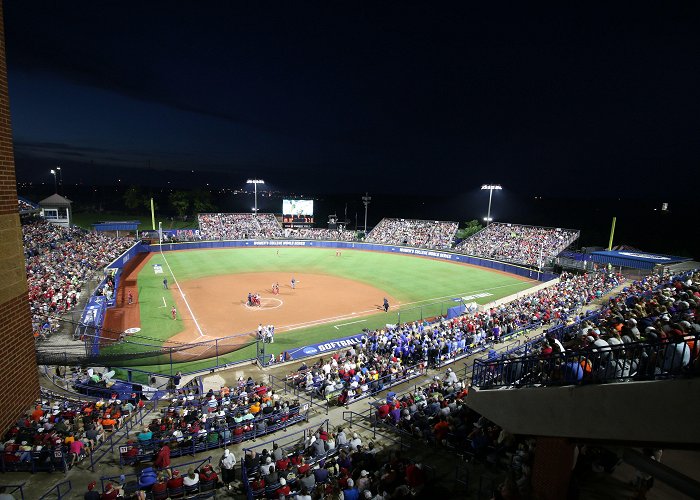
{"x": 551, "y": 470}
{"x": 19, "y": 381}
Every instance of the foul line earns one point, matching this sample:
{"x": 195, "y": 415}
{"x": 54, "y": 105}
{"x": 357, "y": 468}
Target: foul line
{"x": 351, "y": 323}
{"x": 318, "y": 322}
{"x": 199, "y": 329}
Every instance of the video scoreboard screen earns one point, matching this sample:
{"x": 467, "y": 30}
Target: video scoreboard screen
{"x": 298, "y": 212}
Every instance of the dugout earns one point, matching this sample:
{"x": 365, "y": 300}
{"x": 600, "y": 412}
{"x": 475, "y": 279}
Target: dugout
{"x": 634, "y": 259}
{"x": 126, "y": 227}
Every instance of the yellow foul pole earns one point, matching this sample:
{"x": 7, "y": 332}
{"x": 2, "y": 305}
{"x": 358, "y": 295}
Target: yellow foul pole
{"x": 153, "y": 217}
{"x": 612, "y": 233}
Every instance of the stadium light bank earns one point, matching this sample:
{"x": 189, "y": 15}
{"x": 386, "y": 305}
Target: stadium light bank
{"x": 255, "y": 183}
{"x": 490, "y": 188}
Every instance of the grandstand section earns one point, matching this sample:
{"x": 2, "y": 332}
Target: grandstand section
{"x": 525, "y": 245}
{"x": 647, "y": 337}
{"x": 417, "y": 233}
{"x": 237, "y": 226}
{"x": 306, "y": 233}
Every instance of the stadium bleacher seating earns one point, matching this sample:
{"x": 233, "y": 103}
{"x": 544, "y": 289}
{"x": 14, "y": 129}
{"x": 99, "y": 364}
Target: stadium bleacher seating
{"x": 527, "y": 245}
{"x": 59, "y": 262}
{"x": 239, "y": 226}
{"x": 308, "y": 233}
{"x": 417, "y": 233}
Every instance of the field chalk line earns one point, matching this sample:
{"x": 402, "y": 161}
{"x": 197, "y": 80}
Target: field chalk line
{"x": 322, "y": 321}
{"x": 196, "y": 323}
{"x": 351, "y": 323}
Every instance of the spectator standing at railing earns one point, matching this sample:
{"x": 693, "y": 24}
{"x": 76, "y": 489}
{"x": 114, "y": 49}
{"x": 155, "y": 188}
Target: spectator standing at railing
{"x": 162, "y": 460}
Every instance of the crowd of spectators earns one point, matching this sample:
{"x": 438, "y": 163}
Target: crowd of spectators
{"x": 25, "y": 206}
{"x": 527, "y": 245}
{"x": 437, "y": 415}
{"x": 332, "y": 465}
{"x": 394, "y": 353}
{"x": 239, "y": 226}
{"x": 73, "y": 427}
{"x": 210, "y": 420}
{"x": 649, "y": 330}
{"x": 387, "y": 356}
{"x": 361, "y": 370}
{"x": 417, "y": 233}
{"x": 59, "y": 262}
{"x": 309, "y": 233}
{"x": 183, "y": 235}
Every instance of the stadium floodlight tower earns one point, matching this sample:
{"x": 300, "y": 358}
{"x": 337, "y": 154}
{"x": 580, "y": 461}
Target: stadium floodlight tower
{"x": 255, "y": 183}
{"x": 60, "y": 179}
{"x": 55, "y": 183}
{"x": 490, "y": 187}
{"x": 366, "y": 199}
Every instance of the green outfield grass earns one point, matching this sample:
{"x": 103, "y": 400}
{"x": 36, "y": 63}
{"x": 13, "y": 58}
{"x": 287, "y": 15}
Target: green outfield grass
{"x": 425, "y": 286}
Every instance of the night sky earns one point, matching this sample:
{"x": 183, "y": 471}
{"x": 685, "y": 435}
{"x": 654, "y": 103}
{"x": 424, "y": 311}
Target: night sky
{"x": 395, "y": 97}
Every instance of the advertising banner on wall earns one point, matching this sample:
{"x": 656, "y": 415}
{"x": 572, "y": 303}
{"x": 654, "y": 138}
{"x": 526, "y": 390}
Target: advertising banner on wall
{"x": 323, "y": 347}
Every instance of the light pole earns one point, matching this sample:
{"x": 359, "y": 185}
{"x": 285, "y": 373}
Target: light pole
{"x": 366, "y": 199}
{"x": 255, "y": 183}
{"x": 55, "y": 183}
{"x": 60, "y": 178}
{"x": 490, "y": 187}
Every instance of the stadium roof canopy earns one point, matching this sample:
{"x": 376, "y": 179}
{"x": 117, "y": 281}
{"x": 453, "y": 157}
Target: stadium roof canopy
{"x": 125, "y": 225}
{"x": 55, "y": 200}
{"x": 634, "y": 259}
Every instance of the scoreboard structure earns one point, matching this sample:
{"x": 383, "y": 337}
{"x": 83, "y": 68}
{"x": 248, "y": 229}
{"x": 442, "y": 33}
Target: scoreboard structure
{"x": 297, "y": 213}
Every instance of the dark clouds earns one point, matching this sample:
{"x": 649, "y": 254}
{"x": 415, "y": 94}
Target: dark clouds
{"x": 358, "y": 96}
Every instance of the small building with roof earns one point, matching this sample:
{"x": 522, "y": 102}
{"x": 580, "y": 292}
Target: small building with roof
{"x": 56, "y": 209}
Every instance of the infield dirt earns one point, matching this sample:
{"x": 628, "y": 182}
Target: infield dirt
{"x": 216, "y": 306}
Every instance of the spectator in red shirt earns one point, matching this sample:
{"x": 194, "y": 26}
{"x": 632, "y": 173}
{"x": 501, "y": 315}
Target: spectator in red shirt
{"x": 415, "y": 477}
{"x": 160, "y": 486}
{"x": 440, "y": 430}
{"x": 176, "y": 481}
{"x": 111, "y": 492}
{"x": 162, "y": 460}
{"x": 282, "y": 464}
{"x": 383, "y": 411}
{"x": 207, "y": 474}
{"x": 284, "y": 489}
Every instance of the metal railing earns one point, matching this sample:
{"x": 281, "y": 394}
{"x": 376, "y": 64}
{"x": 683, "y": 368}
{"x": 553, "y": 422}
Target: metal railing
{"x": 200, "y": 462}
{"x": 58, "y": 491}
{"x": 108, "y": 444}
{"x": 592, "y": 365}
{"x": 323, "y": 401}
{"x": 294, "y": 441}
{"x": 11, "y": 489}
{"x": 192, "y": 445}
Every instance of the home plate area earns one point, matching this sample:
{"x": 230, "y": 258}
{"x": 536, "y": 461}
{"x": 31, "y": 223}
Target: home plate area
{"x": 220, "y": 303}
{"x": 265, "y": 303}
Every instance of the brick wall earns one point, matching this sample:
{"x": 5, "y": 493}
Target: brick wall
{"x": 19, "y": 381}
